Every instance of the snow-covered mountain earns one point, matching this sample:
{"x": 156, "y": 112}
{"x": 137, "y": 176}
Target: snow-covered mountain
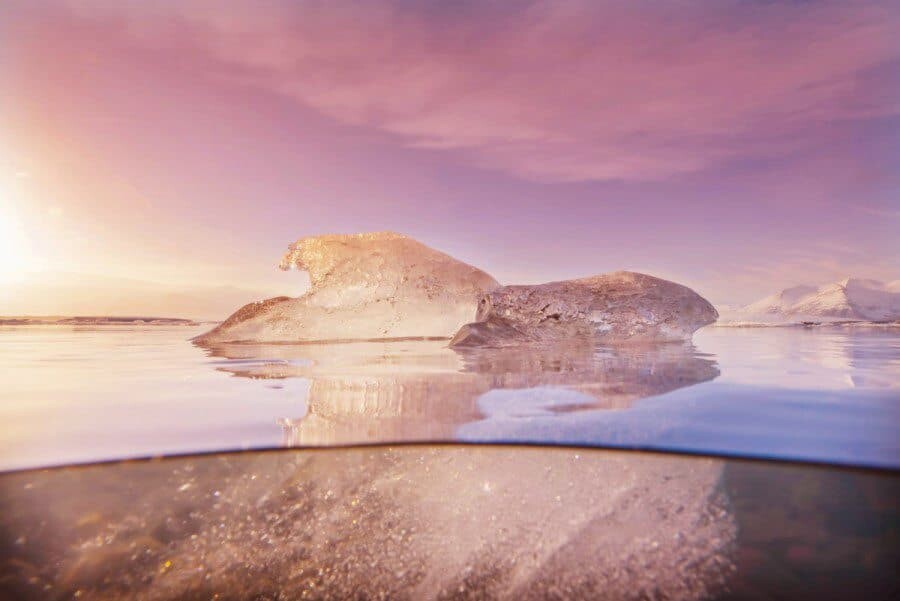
{"x": 851, "y": 299}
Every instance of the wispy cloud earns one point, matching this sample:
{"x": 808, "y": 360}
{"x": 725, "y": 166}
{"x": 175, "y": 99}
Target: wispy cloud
{"x": 881, "y": 211}
{"x": 821, "y": 265}
{"x": 555, "y": 90}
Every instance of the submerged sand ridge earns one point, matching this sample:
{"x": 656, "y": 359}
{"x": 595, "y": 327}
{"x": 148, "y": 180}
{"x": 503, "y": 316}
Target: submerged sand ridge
{"x": 373, "y": 523}
{"x": 385, "y": 285}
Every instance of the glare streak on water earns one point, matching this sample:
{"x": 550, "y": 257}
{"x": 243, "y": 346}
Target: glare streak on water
{"x": 75, "y": 394}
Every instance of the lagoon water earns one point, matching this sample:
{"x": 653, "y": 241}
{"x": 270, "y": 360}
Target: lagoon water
{"x": 448, "y": 522}
{"x": 477, "y": 521}
{"x": 83, "y": 394}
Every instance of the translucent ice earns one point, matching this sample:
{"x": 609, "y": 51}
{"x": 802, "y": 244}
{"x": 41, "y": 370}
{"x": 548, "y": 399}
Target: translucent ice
{"x": 364, "y": 286}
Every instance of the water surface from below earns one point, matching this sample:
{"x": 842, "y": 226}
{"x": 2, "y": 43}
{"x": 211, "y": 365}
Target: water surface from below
{"x": 93, "y": 393}
{"x": 441, "y": 522}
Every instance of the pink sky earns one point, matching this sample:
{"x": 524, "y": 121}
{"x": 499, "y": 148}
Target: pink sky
{"x": 737, "y": 147}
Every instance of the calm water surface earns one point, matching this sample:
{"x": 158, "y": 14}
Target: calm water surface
{"x": 85, "y": 394}
{"x": 449, "y": 521}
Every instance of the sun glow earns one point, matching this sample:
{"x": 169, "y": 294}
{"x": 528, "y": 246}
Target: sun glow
{"x": 14, "y": 251}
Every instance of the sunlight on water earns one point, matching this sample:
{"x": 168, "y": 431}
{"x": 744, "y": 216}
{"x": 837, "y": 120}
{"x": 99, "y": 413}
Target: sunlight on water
{"x": 83, "y": 394}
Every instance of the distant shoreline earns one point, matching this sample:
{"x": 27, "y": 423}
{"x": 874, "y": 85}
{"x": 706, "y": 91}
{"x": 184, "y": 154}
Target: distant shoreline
{"x": 808, "y": 324}
{"x": 94, "y": 320}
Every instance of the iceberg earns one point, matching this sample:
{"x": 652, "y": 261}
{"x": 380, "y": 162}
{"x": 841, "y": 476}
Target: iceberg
{"x": 363, "y": 286}
{"x": 615, "y": 307}
{"x": 382, "y": 286}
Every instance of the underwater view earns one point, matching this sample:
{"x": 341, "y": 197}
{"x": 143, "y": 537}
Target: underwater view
{"x": 449, "y": 522}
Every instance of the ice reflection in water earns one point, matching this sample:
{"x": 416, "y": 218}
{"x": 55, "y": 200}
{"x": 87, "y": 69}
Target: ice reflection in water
{"x": 83, "y": 394}
{"x": 828, "y": 394}
{"x": 837, "y": 358}
{"x": 423, "y": 390}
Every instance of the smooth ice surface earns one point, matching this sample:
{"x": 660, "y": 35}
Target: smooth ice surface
{"x": 74, "y": 394}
